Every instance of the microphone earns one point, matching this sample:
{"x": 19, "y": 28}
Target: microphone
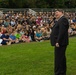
{"x": 53, "y": 20}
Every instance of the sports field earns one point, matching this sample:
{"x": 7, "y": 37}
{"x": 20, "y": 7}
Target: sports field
{"x": 35, "y": 58}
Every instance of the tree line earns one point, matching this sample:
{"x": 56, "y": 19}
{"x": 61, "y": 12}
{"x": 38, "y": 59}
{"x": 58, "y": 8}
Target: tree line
{"x": 37, "y": 3}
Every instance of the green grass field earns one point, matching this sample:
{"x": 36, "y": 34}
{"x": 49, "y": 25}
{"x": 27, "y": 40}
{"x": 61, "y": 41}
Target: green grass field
{"x": 35, "y": 58}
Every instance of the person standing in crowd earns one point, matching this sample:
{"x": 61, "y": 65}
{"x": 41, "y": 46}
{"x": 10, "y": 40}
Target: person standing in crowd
{"x": 59, "y": 39}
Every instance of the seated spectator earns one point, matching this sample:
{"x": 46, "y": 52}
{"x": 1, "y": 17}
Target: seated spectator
{"x": 1, "y": 42}
{"x": 22, "y": 31}
{"x": 25, "y": 37}
{"x": 0, "y": 33}
{"x": 19, "y": 26}
{"x": 0, "y": 37}
{"x": 18, "y": 36}
{"x": 5, "y": 39}
{"x": 70, "y": 31}
{"x": 12, "y": 38}
{"x": 10, "y": 29}
{"x": 13, "y": 23}
{"x": 46, "y": 33}
{"x": 38, "y": 35}
{"x": 6, "y": 22}
{"x": 3, "y": 29}
{"x": 32, "y": 34}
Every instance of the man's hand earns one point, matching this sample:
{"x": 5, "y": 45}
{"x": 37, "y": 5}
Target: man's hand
{"x": 57, "y": 44}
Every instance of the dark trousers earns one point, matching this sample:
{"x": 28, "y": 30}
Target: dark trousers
{"x": 60, "y": 60}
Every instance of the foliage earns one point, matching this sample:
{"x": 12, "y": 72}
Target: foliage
{"x": 38, "y": 3}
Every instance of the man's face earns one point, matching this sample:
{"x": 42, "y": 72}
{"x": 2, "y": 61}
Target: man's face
{"x": 58, "y": 14}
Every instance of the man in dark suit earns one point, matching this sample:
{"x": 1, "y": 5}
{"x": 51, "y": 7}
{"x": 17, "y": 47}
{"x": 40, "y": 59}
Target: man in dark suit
{"x": 59, "y": 39}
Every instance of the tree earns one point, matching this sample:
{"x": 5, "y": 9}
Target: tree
{"x": 42, "y": 4}
{"x": 38, "y": 3}
{"x": 4, "y": 3}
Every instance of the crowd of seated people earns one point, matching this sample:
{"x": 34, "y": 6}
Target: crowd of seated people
{"x": 16, "y": 27}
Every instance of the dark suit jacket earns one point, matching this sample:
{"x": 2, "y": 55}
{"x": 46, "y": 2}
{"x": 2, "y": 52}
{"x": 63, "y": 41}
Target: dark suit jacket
{"x": 60, "y": 32}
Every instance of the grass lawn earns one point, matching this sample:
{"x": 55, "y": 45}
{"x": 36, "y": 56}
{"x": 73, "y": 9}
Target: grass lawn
{"x": 35, "y": 58}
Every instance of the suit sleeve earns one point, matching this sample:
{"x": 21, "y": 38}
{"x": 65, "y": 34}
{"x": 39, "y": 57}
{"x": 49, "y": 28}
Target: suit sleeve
{"x": 63, "y": 28}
